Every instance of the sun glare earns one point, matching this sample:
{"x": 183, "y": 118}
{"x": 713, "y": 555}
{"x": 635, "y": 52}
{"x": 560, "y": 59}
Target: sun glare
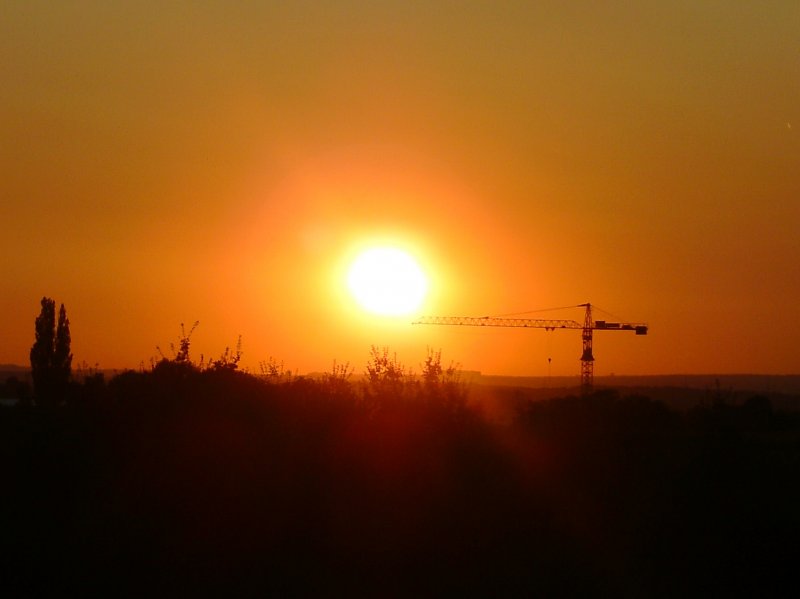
{"x": 387, "y": 281}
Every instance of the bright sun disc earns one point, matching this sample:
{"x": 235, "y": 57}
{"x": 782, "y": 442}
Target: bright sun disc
{"x": 387, "y": 281}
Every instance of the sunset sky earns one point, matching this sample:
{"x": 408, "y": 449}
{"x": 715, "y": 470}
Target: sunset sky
{"x": 166, "y": 162}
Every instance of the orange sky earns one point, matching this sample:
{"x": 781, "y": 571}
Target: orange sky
{"x": 166, "y": 163}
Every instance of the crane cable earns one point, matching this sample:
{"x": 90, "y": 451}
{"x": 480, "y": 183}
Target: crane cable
{"x": 536, "y": 311}
{"x": 549, "y": 335}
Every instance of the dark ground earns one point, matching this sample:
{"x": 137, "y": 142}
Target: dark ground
{"x": 183, "y": 482}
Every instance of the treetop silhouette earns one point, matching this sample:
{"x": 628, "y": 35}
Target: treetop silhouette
{"x": 51, "y": 360}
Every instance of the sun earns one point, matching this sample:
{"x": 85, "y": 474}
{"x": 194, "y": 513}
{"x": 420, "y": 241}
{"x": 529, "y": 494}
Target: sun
{"x": 387, "y": 281}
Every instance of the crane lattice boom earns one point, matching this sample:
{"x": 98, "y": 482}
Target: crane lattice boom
{"x": 491, "y": 321}
{"x": 588, "y": 327}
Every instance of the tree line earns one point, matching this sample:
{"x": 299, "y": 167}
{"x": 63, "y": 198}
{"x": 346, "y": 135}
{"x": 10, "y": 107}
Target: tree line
{"x": 50, "y": 356}
{"x": 386, "y": 378}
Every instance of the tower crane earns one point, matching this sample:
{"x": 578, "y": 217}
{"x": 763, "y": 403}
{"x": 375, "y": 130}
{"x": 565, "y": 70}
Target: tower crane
{"x": 588, "y": 327}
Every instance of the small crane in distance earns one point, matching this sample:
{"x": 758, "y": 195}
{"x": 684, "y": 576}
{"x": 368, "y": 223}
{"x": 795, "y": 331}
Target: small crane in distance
{"x": 588, "y": 327}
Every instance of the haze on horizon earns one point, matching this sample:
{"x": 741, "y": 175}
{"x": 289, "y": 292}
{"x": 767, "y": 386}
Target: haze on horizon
{"x": 166, "y": 163}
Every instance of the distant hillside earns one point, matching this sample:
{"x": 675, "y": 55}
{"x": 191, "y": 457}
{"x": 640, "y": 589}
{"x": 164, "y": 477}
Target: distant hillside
{"x": 755, "y": 383}
{"x": 9, "y": 370}
{"x": 24, "y": 372}
{"x": 730, "y": 384}
{"x": 501, "y": 396}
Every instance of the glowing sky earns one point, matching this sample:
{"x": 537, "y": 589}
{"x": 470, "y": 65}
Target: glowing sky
{"x": 223, "y": 161}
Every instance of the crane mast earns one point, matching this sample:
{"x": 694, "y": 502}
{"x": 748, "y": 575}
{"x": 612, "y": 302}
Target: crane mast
{"x": 587, "y": 328}
{"x": 587, "y": 358}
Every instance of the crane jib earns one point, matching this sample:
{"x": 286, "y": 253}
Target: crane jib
{"x": 533, "y": 323}
{"x": 488, "y": 321}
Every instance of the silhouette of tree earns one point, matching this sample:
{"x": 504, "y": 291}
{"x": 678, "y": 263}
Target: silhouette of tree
{"x": 442, "y": 385}
{"x": 275, "y": 372}
{"x": 43, "y": 346}
{"x": 432, "y": 369}
{"x": 51, "y": 360}
{"x": 229, "y": 360}
{"x": 385, "y": 375}
{"x": 62, "y": 358}
{"x": 181, "y": 355}
{"x": 337, "y": 382}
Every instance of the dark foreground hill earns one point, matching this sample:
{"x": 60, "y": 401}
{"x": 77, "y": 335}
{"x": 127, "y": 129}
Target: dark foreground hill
{"x": 179, "y": 482}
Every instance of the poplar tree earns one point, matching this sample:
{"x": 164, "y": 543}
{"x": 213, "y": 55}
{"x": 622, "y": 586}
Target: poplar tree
{"x": 51, "y": 360}
{"x": 62, "y": 358}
